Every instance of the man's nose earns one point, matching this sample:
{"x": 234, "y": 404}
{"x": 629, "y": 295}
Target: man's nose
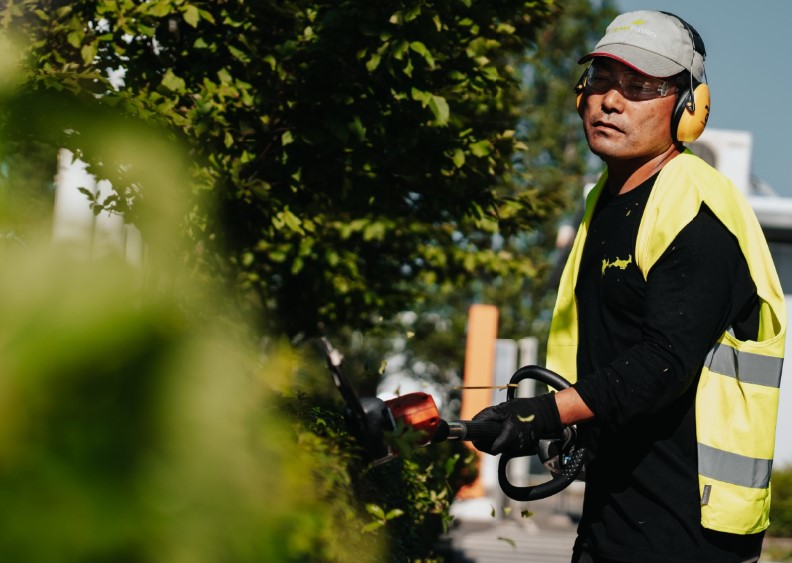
{"x": 613, "y": 100}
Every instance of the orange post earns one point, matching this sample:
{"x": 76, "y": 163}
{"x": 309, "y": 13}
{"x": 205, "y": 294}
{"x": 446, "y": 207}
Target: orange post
{"x": 482, "y": 333}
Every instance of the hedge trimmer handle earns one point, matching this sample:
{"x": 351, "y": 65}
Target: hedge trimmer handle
{"x": 571, "y": 458}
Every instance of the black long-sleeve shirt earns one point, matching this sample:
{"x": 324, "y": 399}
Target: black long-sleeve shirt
{"x": 642, "y": 347}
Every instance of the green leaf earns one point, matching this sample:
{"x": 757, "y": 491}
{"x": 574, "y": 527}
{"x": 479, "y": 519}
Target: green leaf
{"x": 439, "y": 107}
{"x": 481, "y": 148}
{"x": 399, "y": 49}
{"x": 288, "y": 219}
{"x": 413, "y": 13}
{"x": 510, "y": 541}
{"x": 408, "y": 68}
{"x": 370, "y": 527}
{"x": 420, "y": 96}
{"x": 75, "y": 38}
{"x": 87, "y": 193}
{"x": 458, "y": 157}
{"x": 374, "y": 231}
{"x": 373, "y": 62}
{"x": 224, "y": 76}
{"x": 450, "y": 465}
{"x": 158, "y": 8}
{"x": 395, "y": 513}
{"x": 421, "y": 49}
{"x": 358, "y": 128}
{"x": 375, "y": 510}
{"x": 297, "y": 265}
{"x": 239, "y": 54}
{"x": 207, "y": 16}
{"x": 173, "y": 82}
{"x": 88, "y": 53}
{"x": 191, "y": 15}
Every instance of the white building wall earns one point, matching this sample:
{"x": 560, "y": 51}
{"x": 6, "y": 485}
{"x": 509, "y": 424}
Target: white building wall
{"x": 75, "y": 227}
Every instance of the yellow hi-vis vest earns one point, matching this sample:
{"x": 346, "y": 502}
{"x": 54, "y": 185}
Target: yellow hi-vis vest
{"x": 737, "y": 396}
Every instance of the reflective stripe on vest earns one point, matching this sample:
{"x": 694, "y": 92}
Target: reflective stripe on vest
{"x": 756, "y": 368}
{"x": 734, "y": 468}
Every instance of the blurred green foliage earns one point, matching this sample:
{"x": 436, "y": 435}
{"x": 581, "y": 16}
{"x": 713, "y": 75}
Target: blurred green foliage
{"x": 131, "y": 430}
{"x": 781, "y": 503}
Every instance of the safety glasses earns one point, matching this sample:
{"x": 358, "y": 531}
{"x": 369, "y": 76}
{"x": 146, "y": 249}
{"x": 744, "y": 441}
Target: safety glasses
{"x": 632, "y": 85}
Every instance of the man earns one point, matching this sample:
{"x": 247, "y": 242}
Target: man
{"x": 670, "y": 321}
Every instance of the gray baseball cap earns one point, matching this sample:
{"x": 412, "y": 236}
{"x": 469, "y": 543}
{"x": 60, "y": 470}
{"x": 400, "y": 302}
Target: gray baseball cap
{"x": 653, "y": 43}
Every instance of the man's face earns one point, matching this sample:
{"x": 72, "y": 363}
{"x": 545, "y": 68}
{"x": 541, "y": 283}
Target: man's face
{"x": 621, "y": 125}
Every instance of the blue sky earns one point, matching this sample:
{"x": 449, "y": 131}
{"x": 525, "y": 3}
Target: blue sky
{"x": 749, "y": 73}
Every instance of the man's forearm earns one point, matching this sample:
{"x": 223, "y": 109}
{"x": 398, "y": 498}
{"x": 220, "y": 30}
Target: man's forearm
{"x": 571, "y": 407}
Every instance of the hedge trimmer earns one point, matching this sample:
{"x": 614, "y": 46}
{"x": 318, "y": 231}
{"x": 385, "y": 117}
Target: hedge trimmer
{"x": 370, "y": 419}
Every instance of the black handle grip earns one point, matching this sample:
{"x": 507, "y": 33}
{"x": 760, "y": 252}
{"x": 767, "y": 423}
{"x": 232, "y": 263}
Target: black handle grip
{"x": 538, "y": 373}
{"x": 471, "y": 430}
{"x": 484, "y": 430}
{"x": 560, "y": 482}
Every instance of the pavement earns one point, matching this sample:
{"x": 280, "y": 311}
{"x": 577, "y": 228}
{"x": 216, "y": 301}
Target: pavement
{"x": 496, "y": 530}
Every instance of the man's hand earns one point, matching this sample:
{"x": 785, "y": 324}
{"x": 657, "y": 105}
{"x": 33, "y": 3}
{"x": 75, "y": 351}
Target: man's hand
{"x": 525, "y": 422}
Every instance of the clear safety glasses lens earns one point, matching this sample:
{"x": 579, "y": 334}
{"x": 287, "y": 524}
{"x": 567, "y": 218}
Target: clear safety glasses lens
{"x": 632, "y": 85}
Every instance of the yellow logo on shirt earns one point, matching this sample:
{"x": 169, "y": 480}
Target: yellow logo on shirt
{"x": 617, "y": 263}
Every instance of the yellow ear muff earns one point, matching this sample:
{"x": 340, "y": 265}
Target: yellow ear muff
{"x": 692, "y": 114}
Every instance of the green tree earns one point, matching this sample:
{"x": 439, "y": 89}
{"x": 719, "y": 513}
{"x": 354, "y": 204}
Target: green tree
{"x": 552, "y": 165}
{"x": 356, "y": 153}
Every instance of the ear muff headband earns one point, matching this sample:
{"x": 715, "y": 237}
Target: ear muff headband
{"x": 698, "y": 42}
{"x": 693, "y": 103}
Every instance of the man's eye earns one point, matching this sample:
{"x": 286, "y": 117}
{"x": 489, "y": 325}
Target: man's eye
{"x": 600, "y": 81}
{"x": 640, "y": 87}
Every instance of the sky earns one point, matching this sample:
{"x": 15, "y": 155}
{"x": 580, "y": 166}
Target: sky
{"x": 749, "y": 72}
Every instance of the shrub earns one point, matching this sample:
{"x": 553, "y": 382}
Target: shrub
{"x": 781, "y": 505}
{"x": 403, "y": 502}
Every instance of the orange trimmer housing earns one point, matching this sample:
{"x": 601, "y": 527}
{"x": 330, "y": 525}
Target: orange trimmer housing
{"x": 417, "y": 411}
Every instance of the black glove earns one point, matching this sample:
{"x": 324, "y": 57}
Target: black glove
{"x": 525, "y": 422}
